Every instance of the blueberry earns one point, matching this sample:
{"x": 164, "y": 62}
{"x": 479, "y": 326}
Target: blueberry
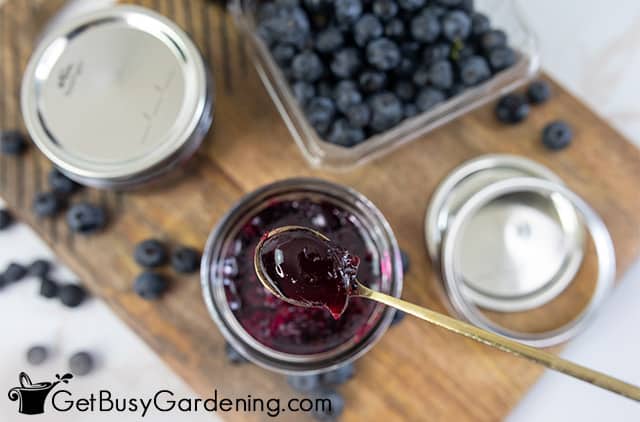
{"x": 467, "y": 5}
{"x": 150, "y": 285}
{"x": 329, "y": 40}
{"x": 539, "y": 92}
{"x": 61, "y": 184}
{"x": 367, "y": 28}
{"x": 303, "y": 92}
{"x": 317, "y": 5}
{"x": 395, "y": 29}
{"x": 345, "y": 63}
{"x": 456, "y": 25}
{"x": 85, "y": 218}
{"x": 48, "y": 204}
{"x": 386, "y": 111}
{"x": 284, "y": 24}
{"x": 304, "y": 383}
{"x": 405, "y": 69}
{"x": 371, "y": 81}
{"x": 283, "y": 54}
{"x": 6, "y": 219}
{"x": 428, "y": 98}
{"x": 436, "y": 52}
{"x": 150, "y": 253}
{"x": 404, "y": 90}
{"x": 385, "y": 9}
{"x": 480, "y": 24}
{"x": 3, "y": 282}
{"x": 512, "y": 109}
{"x": 501, "y": 58}
{"x": 37, "y": 355}
{"x": 441, "y": 74}
{"x": 557, "y": 135}
{"x": 233, "y": 356}
{"x": 344, "y": 134}
{"x": 474, "y": 70}
{"x": 383, "y": 54}
{"x": 421, "y": 76}
{"x": 411, "y": 5}
{"x": 346, "y": 94}
{"x": 410, "y": 49}
{"x": 14, "y": 272}
{"x": 12, "y": 142}
{"x": 425, "y": 27}
{"x": 48, "y": 288}
{"x": 332, "y": 412}
{"x": 449, "y": 3}
{"x": 39, "y": 268}
{"x": 338, "y": 376}
{"x": 456, "y": 89}
{"x": 307, "y": 66}
{"x": 493, "y": 39}
{"x": 347, "y": 11}
{"x": 71, "y": 295}
{"x": 81, "y": 363}
{"x": 406, "y": 263}
{"x": 398, "y": 317}
{"x": 324, "y": 89}
{"x": 410, "y": 110}
{"x": 185, "y": 260}
{"x": 320, "y": 112}
{"x": 358, "y": 115}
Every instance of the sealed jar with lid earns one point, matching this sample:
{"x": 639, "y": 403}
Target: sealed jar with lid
{"x": 280, "y": 336}
{"x": 116, "y": 97}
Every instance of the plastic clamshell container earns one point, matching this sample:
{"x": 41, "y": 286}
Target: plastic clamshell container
{"x": 504, "y": 15}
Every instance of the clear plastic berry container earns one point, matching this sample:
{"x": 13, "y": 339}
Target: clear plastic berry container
{"x": 282, "y": 337}
{"x": 504, "y": 14}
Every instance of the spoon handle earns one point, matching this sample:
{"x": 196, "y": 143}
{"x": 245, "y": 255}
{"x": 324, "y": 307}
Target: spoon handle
{"x": 541, "y": 357}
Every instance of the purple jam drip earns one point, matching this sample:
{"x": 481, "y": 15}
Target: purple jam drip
{"x": 307, "y": 270}
{"x": 281, "y": 325}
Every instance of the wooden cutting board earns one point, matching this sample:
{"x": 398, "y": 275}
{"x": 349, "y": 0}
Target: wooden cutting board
{"x": 416, "y": 372}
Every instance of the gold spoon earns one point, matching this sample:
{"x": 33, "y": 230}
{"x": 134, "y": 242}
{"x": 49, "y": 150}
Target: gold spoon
{"x": 538, "y": 356}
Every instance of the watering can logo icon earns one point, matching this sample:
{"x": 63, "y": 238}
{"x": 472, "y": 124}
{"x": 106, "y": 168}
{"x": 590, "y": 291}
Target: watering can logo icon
{"x": 32, "y": 396}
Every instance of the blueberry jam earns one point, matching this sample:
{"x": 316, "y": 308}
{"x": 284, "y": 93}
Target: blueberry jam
{"x": 307, "y": 270}
{"x": 282, "y": 326}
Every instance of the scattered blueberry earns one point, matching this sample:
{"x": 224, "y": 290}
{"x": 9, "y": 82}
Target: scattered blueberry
{"x": 61, "y": 184}
{"x": 14, "y": 273}
{"x": 48, "y": 288}
{"x": 86, "y": 218}
{"x": 39, "y": 268}
{"x": 150, "y": 285}
{"x": 48, "y": 204}
{"x": 37, "y": 355}
{"x": 6, "y": 219}
{"x": 81, "y": 363}
{"x": 512, "y": 109}
{"x": 397, "y": 317}
{"x": 71, "y": 295}
{"x": 406, "y": 263}
{"x": 539, "y": 92}
{"x": 338, "y": 376}
{"x": 12, "y": 142}
{"x": 304, "y": 383}
{"x": 233, "y": 356}
{"x": 150, "y": 253}
{"x": 185, "y": 260}
{"x": 331, "y": 413}
{"x": 557, "y": 135}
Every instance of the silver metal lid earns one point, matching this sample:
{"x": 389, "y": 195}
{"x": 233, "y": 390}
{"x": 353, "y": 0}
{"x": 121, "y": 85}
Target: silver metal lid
{"x": 502, "y": 245}
{"x": 116, "y": 95}
{"x": 507, "y": 236}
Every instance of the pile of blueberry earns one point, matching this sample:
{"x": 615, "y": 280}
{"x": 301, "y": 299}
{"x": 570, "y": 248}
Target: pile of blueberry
{"x": 514, "y": 108}
{"x": 360, "y": 67}
{"x": 151, "y": 254}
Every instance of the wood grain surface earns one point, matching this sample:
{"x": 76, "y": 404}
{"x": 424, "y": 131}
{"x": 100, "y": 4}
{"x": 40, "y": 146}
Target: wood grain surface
{"x": 416, "y": 372}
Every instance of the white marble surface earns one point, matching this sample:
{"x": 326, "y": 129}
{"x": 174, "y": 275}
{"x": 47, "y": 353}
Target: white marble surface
{"x": 591, "y": 46}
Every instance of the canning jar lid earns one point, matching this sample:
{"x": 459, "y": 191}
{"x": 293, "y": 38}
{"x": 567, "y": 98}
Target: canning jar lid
{"x": 508, "y": 236}
{"x": 116, "y": 96}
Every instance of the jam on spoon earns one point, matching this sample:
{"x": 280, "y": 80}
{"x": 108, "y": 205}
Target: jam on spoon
{"x": 307, "y": 269}
{"x": 294, "y": 262}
